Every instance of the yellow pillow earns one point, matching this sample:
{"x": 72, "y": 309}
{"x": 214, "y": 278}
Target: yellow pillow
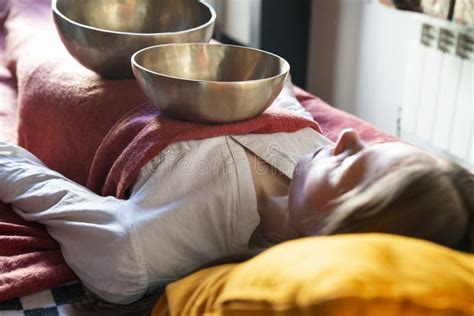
{"x": 345, "y": 275}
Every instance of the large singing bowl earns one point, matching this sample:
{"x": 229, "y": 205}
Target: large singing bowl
{"x": 103, "y": 34}
{"x": 209, "y": 83}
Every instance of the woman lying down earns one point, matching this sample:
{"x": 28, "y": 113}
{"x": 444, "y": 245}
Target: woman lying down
{"x": 203, "y": 200}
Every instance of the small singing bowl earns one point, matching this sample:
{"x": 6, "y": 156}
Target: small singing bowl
{"x": 103, "y": 34}
{"x": 209, "y": 83}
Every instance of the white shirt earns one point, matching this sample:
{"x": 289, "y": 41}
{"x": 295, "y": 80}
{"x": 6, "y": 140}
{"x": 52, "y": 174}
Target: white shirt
{"x": 193, "y": 203}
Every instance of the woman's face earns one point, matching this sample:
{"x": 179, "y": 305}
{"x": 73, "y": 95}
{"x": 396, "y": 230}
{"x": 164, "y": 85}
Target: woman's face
{"x": 330, "y": 171}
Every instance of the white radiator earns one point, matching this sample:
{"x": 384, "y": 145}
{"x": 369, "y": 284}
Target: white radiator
{"x": 437, "y": 109}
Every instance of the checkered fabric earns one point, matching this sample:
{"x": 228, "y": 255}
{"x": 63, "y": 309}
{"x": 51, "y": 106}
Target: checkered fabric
{"x": 72, "y": 300}
{"x": 59, "y": 301}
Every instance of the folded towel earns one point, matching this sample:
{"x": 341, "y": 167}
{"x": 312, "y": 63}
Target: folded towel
{"x": 143, "y": 133}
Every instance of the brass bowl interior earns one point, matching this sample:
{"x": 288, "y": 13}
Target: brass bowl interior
{"x": 136, "y": 16}
{"x": 201, "y": 62}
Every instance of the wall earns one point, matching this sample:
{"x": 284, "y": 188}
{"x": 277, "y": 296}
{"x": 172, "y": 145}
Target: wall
{"x": 277, "y": 26}
{"x": 367, "y": 59}
{"x": 239, "y": 20}
{"x": 357, "y": 58}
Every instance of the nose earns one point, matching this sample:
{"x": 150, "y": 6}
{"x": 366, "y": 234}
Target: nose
{"x": 348, "y": 140}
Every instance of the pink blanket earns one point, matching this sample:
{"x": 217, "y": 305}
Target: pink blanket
{"x": 65, "y": 112}
{"x": 143, "y": 133}
{"x": 332, "y": 121}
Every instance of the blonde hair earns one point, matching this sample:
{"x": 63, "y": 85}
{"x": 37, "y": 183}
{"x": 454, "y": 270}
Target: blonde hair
{"x": 416, "y": 198}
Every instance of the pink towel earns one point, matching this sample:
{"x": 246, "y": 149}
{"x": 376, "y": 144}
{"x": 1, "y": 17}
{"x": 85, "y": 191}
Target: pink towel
{"x": 144, "y": 133}
{"x": 65, "y": 111}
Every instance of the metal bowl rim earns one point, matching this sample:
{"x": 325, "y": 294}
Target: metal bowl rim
{"x": 283, "y": 73}
{"x": 202, "y": 26}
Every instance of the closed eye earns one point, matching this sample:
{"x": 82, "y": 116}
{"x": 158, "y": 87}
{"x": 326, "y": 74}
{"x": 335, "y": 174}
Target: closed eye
{"x": 345, "y": 162}
{"x": 317, "y": 151}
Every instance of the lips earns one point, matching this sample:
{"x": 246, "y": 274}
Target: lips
{"x": 317, "y": 151}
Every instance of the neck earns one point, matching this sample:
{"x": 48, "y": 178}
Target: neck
{"x": 271, "y": 188}
{"x": 273, "y": 227}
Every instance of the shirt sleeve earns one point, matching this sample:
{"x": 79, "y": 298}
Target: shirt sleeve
{"x": 33, "y": 189}
{"x": 95, "y": 235}
{"x": 287, "y": 100}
